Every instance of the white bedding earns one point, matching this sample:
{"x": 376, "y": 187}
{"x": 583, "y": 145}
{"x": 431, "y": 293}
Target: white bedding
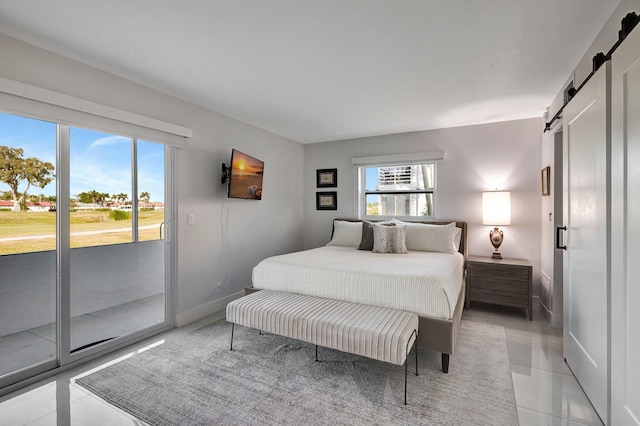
{"x": 426, "y": 283}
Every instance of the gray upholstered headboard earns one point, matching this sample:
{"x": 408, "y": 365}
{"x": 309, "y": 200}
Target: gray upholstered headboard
{"x": 460, "y": 224}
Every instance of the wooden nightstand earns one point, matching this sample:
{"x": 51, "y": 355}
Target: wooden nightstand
{"x": 505, "y": 282}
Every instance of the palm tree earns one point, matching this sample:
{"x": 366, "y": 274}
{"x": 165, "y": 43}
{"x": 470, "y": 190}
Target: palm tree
{"x": 121, "y": 197}
{"x": 145, "y": 197}
{"x": 102, "y": 197}
{"x": 94, "y": 195}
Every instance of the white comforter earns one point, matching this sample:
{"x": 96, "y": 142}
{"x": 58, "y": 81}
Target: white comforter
{"x": 426, "y": 283}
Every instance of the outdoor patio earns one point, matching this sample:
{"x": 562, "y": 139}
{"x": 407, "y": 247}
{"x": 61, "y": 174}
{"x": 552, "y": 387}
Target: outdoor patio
{"x": 115, "y": 290}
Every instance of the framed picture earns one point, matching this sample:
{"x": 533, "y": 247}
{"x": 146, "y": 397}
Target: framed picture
{"x": 327, "y": 200}
{"x": 546, "y": 188}
{"x": 326, "y": 178}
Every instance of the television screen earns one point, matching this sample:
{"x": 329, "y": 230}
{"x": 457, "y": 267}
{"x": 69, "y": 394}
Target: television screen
{"x": 245, "y": 179}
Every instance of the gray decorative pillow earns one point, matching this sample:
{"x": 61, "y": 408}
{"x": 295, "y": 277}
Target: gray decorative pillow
{"x": 366, "y": 242}
{"x": 390, "y": 239}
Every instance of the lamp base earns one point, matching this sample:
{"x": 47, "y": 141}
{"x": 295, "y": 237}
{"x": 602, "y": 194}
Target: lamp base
{"x": 496, "y": 236}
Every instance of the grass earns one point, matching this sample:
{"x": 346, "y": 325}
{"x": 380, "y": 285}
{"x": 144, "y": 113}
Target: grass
{"x": 18, "y": 224}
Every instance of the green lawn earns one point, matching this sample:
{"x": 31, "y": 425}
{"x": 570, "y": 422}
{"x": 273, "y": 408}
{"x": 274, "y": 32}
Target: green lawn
{"x": 19, "y": 224}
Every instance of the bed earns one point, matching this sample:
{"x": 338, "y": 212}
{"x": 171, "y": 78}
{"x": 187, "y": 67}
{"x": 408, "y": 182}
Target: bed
{"x": 427, "y": 278}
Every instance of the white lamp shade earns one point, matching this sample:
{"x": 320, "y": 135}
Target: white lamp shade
{"x": 496, "y": 208}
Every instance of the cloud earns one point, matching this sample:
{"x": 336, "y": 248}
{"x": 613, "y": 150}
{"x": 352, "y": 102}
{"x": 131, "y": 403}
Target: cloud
{"x": 111, "y": 178}
{"x": 109, "y": 140}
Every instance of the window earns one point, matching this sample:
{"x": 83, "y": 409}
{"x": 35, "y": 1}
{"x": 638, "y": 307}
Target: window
{"x": 397, "y": 190}
{"x": 27, "y": 185}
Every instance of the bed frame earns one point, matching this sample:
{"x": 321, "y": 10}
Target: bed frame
{"x": 437, "y": 334}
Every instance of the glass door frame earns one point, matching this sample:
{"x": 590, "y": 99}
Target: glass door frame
{"x": 65, "y": 356}
{"x": 66, "y": 359}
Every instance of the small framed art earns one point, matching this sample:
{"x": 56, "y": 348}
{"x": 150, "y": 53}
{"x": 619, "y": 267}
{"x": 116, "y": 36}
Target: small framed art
{"x": 326, "y": 178}
{"x": 546, "y": 185}
{"x": 327, "y": 200}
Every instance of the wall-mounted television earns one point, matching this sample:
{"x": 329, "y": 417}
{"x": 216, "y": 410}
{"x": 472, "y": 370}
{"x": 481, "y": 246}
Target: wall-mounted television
{"x": 245, "y": 176}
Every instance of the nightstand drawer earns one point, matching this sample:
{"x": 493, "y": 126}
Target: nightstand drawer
{"x": 499, "y": 297}
{"x": 503, "y": 271}
{"x": 500, "y": 284}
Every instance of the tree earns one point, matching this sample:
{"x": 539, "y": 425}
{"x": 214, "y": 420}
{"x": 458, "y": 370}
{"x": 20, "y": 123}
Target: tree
{"x": 121, "y": 197}
{"x": 99, "y": 197}
{"x": 426, "y": 180}
{"x": 83, "y": 197}
{"x": 93, "y": 197}
{"x": 16, "y": 170}
{"x": 102, "y": 198}
{"x": 145, "y": 197}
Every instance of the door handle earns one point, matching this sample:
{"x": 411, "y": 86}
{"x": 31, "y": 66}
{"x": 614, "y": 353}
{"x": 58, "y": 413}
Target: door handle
{"x": 161, "y": 225}
{"x": 558, "y": 229}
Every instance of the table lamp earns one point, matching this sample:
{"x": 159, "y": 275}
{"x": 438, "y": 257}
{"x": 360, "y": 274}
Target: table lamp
{"x": 496, "y": 211}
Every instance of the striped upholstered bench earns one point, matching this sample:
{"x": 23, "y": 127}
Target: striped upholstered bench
{"x": 379, "y": 333}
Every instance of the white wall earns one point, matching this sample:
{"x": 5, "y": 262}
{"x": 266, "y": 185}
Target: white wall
{"x": 547, "y": 223}
{"x": 605, "y": 39}
{"x": 478, "y": 158}
{"x": 229, "y": 236}
{"x": 550, "y": 218}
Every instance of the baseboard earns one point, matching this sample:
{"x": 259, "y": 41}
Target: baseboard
{"x": 214, "y": 307}
{"x": 554, "y": 319}
{"x": 545, "y": 311}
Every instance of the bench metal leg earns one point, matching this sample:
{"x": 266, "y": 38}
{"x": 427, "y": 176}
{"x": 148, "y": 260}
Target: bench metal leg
{"x": 233, "y": 325}
{"x": 316, "y": 353}
{"x": 406, "y": 362}
{"x": 405, "y": 382}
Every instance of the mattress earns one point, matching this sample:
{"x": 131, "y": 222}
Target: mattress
{"x": 426, "y": 283}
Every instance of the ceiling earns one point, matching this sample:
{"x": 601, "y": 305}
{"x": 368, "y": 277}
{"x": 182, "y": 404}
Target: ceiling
{"x": 320, "y": 70}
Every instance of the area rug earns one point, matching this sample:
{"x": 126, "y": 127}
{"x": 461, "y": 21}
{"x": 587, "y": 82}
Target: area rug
{"x": 267, "y": 379}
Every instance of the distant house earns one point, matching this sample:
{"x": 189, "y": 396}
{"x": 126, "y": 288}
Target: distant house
{"x": 121, "y": 207}
{"x": 86, "y": 206}
{"x": 42, "y": 206}
{"x": 127, "y": 207}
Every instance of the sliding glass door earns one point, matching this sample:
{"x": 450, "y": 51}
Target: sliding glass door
{"x": 117, "y": 280}
{"x": 82, "y": 243}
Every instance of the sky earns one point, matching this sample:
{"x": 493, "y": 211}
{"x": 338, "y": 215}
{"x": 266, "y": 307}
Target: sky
{"x": 98, "y": 161}
{"x": 371, "y": 178}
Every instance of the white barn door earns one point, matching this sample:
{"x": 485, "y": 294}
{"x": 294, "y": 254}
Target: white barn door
{"x": 625, "y": 232}
{"x": 585, "y": 275}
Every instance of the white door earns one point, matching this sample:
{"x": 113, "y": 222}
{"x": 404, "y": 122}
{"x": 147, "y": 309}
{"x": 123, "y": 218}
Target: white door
{"x": 625, "y": 232}
{"x": 585, "y": 277}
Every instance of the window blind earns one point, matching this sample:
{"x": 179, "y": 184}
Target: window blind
{"x": 32, "y": 101}
{"x": 413, "y": 158}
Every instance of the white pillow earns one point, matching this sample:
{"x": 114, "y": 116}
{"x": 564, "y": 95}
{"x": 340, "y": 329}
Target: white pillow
{"x": 389, "y": 239}
{"x": 426, "y": 237}
{"x": 346, "y": 233}
{"x": 457, "y": 236}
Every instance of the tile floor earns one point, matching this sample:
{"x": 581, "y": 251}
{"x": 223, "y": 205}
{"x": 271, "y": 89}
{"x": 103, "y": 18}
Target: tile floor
{"x": 546, "y": 392}
{"x": 36, "y": 345}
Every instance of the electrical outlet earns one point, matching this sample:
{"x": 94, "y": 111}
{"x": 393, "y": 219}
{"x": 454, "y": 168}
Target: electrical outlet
{"x": 219, "y": 287}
